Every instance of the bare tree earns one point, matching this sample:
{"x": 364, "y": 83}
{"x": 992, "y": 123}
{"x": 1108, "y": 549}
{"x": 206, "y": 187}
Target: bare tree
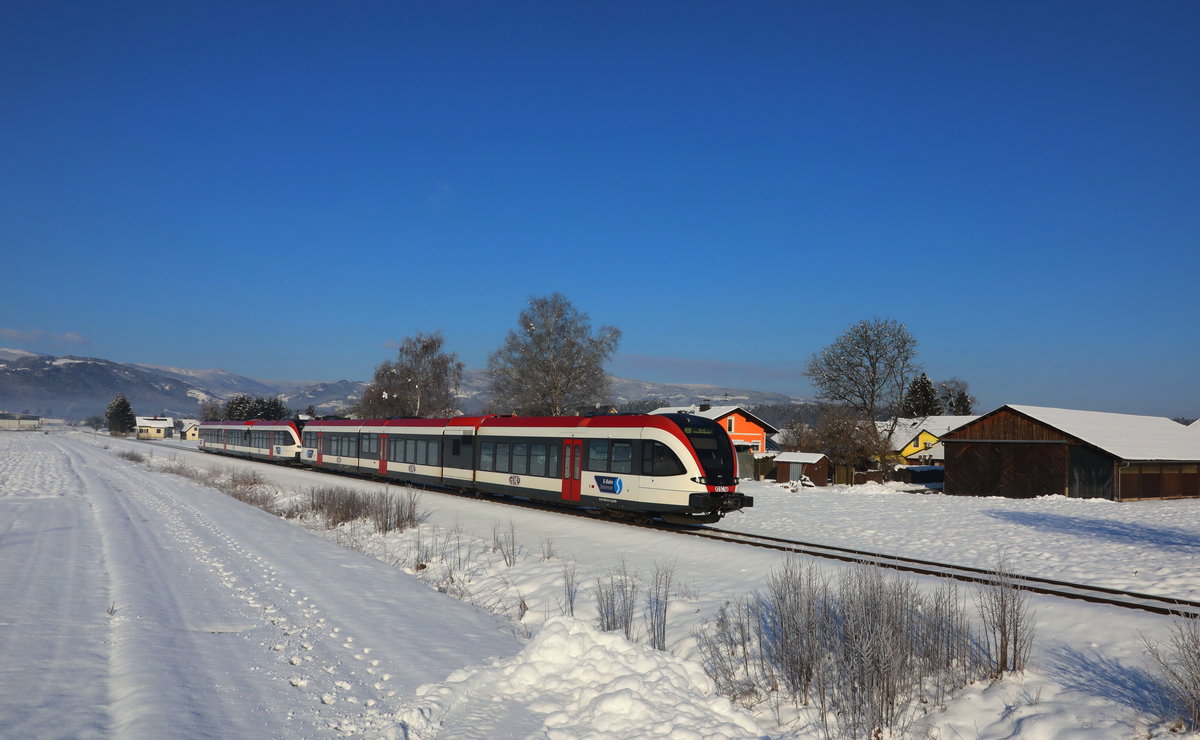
{"x": 843, "y": 437}
{"x": 422, "y": 382}
{"x": 552, "y": 363}
{"x": 868, "y": 367}
{"x": 211, "y": 410}
{"x": 955, "y": 397}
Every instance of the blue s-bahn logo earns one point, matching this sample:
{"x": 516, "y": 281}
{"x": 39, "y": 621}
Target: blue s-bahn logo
{"x": 609, "y": 484}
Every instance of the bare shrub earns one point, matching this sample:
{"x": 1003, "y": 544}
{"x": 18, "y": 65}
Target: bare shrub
{"x": 1178, "y": 665}
{"x": 616, "y": 597}
{"x": 394, "y": 512}
{"x": 548, "y": 549}
{"x": 132, "y": 456}
{"x": 338, "y": 504}
{"x": 658, "y": 597}
{"x": 246, "y": 486}
{"x": 1008, "y": 624}
{"x": 797, "y": 601}
{"x": 570, "y": 586}
{"x": 869, "y": 653}
{"x": 504, "y": 541}
{"x": 731, "y": 653}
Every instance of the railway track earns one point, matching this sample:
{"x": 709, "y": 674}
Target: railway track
{"x": 1046, "y": 586}
{"x": 1095, "y": 594}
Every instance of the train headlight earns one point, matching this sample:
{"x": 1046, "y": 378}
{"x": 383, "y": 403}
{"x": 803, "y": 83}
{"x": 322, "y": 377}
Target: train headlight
{"x": 700, "y": 480}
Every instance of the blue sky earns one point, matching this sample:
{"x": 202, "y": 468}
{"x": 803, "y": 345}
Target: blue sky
{"x": 285, "y": 190}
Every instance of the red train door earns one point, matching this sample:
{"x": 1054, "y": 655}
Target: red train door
{"x": 572, "y": 468}
{"x": 320, "y": 447}
{"x": 383, "y": 454}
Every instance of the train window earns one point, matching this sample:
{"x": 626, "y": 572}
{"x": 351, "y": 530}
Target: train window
{"x": 370, "y": 443}
{"x": 537, "y": 458}
{"x": 520, "y": 458}
{"x": 659, "y": 460}
{"x": 456, "y": 447}
{"x": 597, "y": 456}
{"x": 553, "y": 468}
{"x": 502, "y": 457}
{"x": 432, "y": 453}
{"x": 487, "y": 455}
{"x": 422, "y": 451}
{"x": 410, "y": 450}
{"x": 622, "y": 457}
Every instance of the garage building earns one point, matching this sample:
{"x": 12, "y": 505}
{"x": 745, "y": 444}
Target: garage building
{"x": 1028, "y": 451}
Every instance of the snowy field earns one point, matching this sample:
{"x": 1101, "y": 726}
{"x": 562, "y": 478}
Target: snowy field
{"x": 139, "y": 604}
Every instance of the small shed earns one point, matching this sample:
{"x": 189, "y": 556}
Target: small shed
{"x": 790, "y": 466}
{"x": 1028, "y": 451}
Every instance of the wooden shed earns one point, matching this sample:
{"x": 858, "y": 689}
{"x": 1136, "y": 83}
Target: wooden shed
{"x": 1028, "y": 451}
{"x": 790, "y": 466}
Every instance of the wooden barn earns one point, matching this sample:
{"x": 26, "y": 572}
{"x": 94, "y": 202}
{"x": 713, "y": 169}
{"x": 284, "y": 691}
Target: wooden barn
{"x": 1028, "y": 451}
{"x": 789, "y": 466}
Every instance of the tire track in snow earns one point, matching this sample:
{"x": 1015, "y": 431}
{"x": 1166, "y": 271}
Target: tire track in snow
{"x": 344, "y": 688}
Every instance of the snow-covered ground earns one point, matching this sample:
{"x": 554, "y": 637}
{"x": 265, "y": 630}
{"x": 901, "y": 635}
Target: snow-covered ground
{"x": 134, "y": 603}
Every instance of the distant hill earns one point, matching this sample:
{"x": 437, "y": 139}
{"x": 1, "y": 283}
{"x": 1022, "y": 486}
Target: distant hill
{"x": 75, "y": 388}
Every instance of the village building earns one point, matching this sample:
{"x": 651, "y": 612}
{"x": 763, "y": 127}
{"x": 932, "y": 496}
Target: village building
{"x": 1029, "y": 451}
{"x": 794, "y": 466}
{"x": 155, "y": 427}
{"x": 915, "y": 441}
{"x": 10, "y": 422}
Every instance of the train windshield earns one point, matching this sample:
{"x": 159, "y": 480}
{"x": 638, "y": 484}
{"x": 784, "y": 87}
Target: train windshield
{"x": 712, "y": 447}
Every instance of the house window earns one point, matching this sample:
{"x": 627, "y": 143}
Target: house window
{"x": 729, "y": 423}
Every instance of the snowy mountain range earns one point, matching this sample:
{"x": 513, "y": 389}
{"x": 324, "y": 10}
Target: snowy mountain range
{"x": 75, "y": 388}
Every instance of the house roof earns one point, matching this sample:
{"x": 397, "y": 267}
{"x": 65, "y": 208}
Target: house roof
{"x": 799, "y": 457}
{"x": 909, "y": 429}
{"x": 715, "y": 413}
{"x": 1124, "y": 436}
{"x": 155, "y": 421}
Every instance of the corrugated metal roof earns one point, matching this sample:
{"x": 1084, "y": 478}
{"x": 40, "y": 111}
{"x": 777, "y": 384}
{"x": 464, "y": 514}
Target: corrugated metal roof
{"x": 1126, "y": 436}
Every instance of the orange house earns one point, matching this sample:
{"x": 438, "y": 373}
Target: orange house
{"x": 747, "y": 431}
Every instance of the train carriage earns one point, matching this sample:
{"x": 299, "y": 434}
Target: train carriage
{"x": 675, "y": 466}
{"x": 275, "y": 441}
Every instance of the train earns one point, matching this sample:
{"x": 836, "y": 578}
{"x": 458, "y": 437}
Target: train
{"x": 678, "y": 467}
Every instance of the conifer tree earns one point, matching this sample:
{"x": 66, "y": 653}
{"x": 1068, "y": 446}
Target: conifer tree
{"x": 120, "y": 417}
{"x": 921, "y": 400}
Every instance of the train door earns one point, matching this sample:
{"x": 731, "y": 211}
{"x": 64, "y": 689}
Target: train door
{"x": 320, "y": 447}
{"x": 383, "y": 454}
{"x": 572, "y": 469}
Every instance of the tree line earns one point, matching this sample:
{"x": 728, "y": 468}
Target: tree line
{"x": 870, "y": 374}
{"x": 552, "y": 364}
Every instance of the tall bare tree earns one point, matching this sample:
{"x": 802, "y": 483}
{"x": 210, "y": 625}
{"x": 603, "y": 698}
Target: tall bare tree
{"x": 552, "y": 363}
{"x": 422, "y": 382}
{"x": 867, "y": 368}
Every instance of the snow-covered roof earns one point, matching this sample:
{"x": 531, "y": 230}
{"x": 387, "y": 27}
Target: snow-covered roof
{"x": 1126, "y": 436}
{"x": 164, "y": 422}
{"x": 908, "y": 429}
{"x": 716, "y": 412}
{"x": 807, "y": 458}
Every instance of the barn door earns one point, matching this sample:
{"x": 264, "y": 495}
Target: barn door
{"x": 572, "y": 469}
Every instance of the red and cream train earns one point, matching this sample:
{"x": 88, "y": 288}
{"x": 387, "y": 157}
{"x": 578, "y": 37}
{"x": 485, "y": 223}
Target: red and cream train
{"x": 677, "y": 467}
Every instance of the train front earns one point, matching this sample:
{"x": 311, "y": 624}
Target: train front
{"x": 713, "y": 452}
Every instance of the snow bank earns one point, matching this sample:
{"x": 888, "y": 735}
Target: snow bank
{"x": 590, "y": 684}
